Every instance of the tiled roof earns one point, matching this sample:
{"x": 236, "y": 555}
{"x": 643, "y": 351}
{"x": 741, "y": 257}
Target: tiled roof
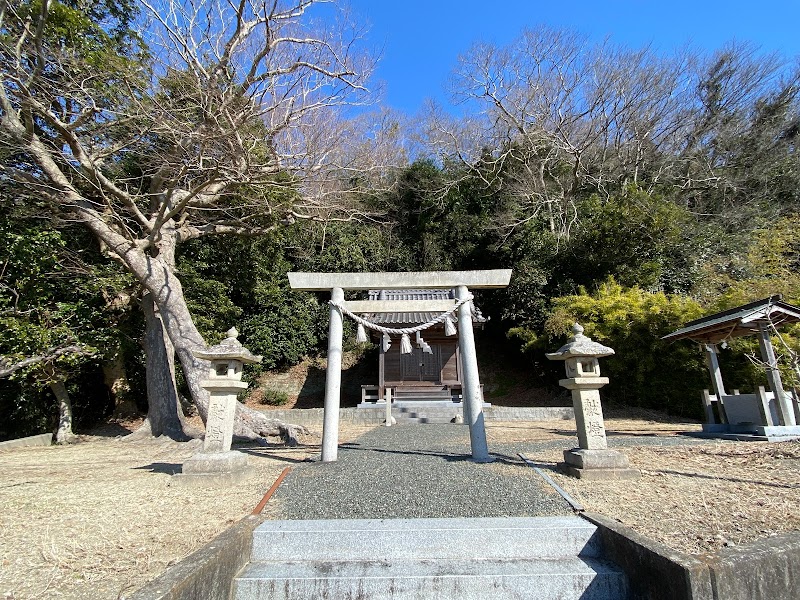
{"x": 414, "y": 318}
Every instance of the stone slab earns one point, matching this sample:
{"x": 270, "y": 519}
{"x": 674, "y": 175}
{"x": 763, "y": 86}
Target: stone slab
{"x": 43, "y": 439}
{"x": 219, "y": 462}
{"x": 596, "y": 459}
{"x": 654, "y": 571}
{"x": 211, "y": 480}
{"x": 599, "y": 474}
{"x": 779, "y": 431}
{"x": 443, "y": 280}
{"x": 213, "y": 470}
{"x": 565, "y": 579}
{"x": 749, "y": 432}
{"x": 426, "y": 539}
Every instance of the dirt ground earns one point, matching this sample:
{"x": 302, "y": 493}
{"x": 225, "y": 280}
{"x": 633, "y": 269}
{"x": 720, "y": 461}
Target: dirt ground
{"x": 97, "y": 519}
{"x": 693, "y": 498}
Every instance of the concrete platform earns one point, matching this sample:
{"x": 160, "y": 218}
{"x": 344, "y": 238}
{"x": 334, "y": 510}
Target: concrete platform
{"x": 748, "y": 432}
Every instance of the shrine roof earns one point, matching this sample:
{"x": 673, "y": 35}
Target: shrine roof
{"x": 414, "y": 318}
{"x": 738, "y": 322}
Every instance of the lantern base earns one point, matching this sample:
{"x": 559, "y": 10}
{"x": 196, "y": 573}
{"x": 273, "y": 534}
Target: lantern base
{"x": 218, "y": 469}
{"x": 597, "y": 465}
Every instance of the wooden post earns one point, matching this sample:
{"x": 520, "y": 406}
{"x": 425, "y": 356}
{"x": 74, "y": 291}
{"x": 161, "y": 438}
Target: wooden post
{"x": 785, "y": 410}
{"x": 333, "y": 382}
{"x": 716, "y": 374}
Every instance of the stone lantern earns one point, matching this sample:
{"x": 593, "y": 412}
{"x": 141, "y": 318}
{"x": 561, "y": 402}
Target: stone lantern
{"x": 592, "y": 459}
{"x": 217, "y": 462}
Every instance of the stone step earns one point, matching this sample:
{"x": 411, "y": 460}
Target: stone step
{"x": 444, "y": 397}
{"x": 495, "y": 538}
{"x": 423, "y": 420}
{"x": 425, "y": 398}
{"x": 379, "y": 579}
{"x": 416, "y": 388}
{"x": 431, "y": 407}
{"x": 426, "y": 413}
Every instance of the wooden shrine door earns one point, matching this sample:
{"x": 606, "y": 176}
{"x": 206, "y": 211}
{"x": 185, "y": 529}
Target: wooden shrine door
{"x": 421, "y": 366}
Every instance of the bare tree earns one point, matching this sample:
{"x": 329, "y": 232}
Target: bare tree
{"x": 551, "y": 117}
{"x": 561, "y": 115}
{"x": 741, "y": 128}
{"x": 225, "y": 122}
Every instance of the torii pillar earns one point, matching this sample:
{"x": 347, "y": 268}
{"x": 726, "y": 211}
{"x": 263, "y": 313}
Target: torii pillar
{"x": 462, "y": 281}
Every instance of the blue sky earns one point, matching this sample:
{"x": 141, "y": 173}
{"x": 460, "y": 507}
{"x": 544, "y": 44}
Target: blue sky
{"x": 422, "y": 39}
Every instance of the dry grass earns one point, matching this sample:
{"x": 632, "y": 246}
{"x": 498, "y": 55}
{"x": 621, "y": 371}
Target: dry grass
{"x": 693, "y": 498}
{"x": 99, "y": 518}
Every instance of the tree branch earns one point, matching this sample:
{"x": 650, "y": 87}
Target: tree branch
{"x": 8, "y": 367}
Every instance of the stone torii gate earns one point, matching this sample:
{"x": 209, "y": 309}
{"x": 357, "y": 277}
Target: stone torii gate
{"x": 337, "y": 283}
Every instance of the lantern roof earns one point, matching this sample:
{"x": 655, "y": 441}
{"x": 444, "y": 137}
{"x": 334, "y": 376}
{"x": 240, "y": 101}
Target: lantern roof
{"x": 580, "y": 345}
{"x": 227, "y": 349}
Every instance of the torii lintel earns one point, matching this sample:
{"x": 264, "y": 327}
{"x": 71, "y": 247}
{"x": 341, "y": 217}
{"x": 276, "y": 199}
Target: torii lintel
{"x": 320, "y": 282}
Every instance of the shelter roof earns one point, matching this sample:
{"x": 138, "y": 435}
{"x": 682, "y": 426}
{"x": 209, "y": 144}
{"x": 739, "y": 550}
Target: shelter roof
{"x": 738, "y": 322}
{"x": 414, "y": 318}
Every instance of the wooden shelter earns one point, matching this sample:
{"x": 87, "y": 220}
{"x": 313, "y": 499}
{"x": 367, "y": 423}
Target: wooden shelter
{"x": 746, "y": 413}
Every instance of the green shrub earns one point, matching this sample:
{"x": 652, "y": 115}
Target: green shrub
{"x": 274, "y": 397}
{"x": 644, "y": 371}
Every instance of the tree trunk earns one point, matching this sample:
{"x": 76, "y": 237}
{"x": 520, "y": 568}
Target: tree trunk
{"x": 249, "y": 424}
{"x": 157, "y": 275}
{"x": 164, "y": 413}
{"x": 119, "y": 389}
{"x": 64, "y": 433}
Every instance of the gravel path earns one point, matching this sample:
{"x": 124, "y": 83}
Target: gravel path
{"x": 416, "y": 471}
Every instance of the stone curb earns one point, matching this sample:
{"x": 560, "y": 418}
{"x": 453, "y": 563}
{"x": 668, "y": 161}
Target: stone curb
{"x": 208, "y": 572}
{"x": 43, "y": 439}
{"x": 767, "y": 569}
{"x": 655, "y": 572}
{"x": 310, "y": 417}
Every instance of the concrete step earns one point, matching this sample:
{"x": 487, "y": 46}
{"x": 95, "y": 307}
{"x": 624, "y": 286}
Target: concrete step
{"x": 379, "y": 579}
{"x": 426, "y": 412}
{"x": 404, "y": 559}
{"x": 496, "y": 538}
{"x": 412, "y": 397}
